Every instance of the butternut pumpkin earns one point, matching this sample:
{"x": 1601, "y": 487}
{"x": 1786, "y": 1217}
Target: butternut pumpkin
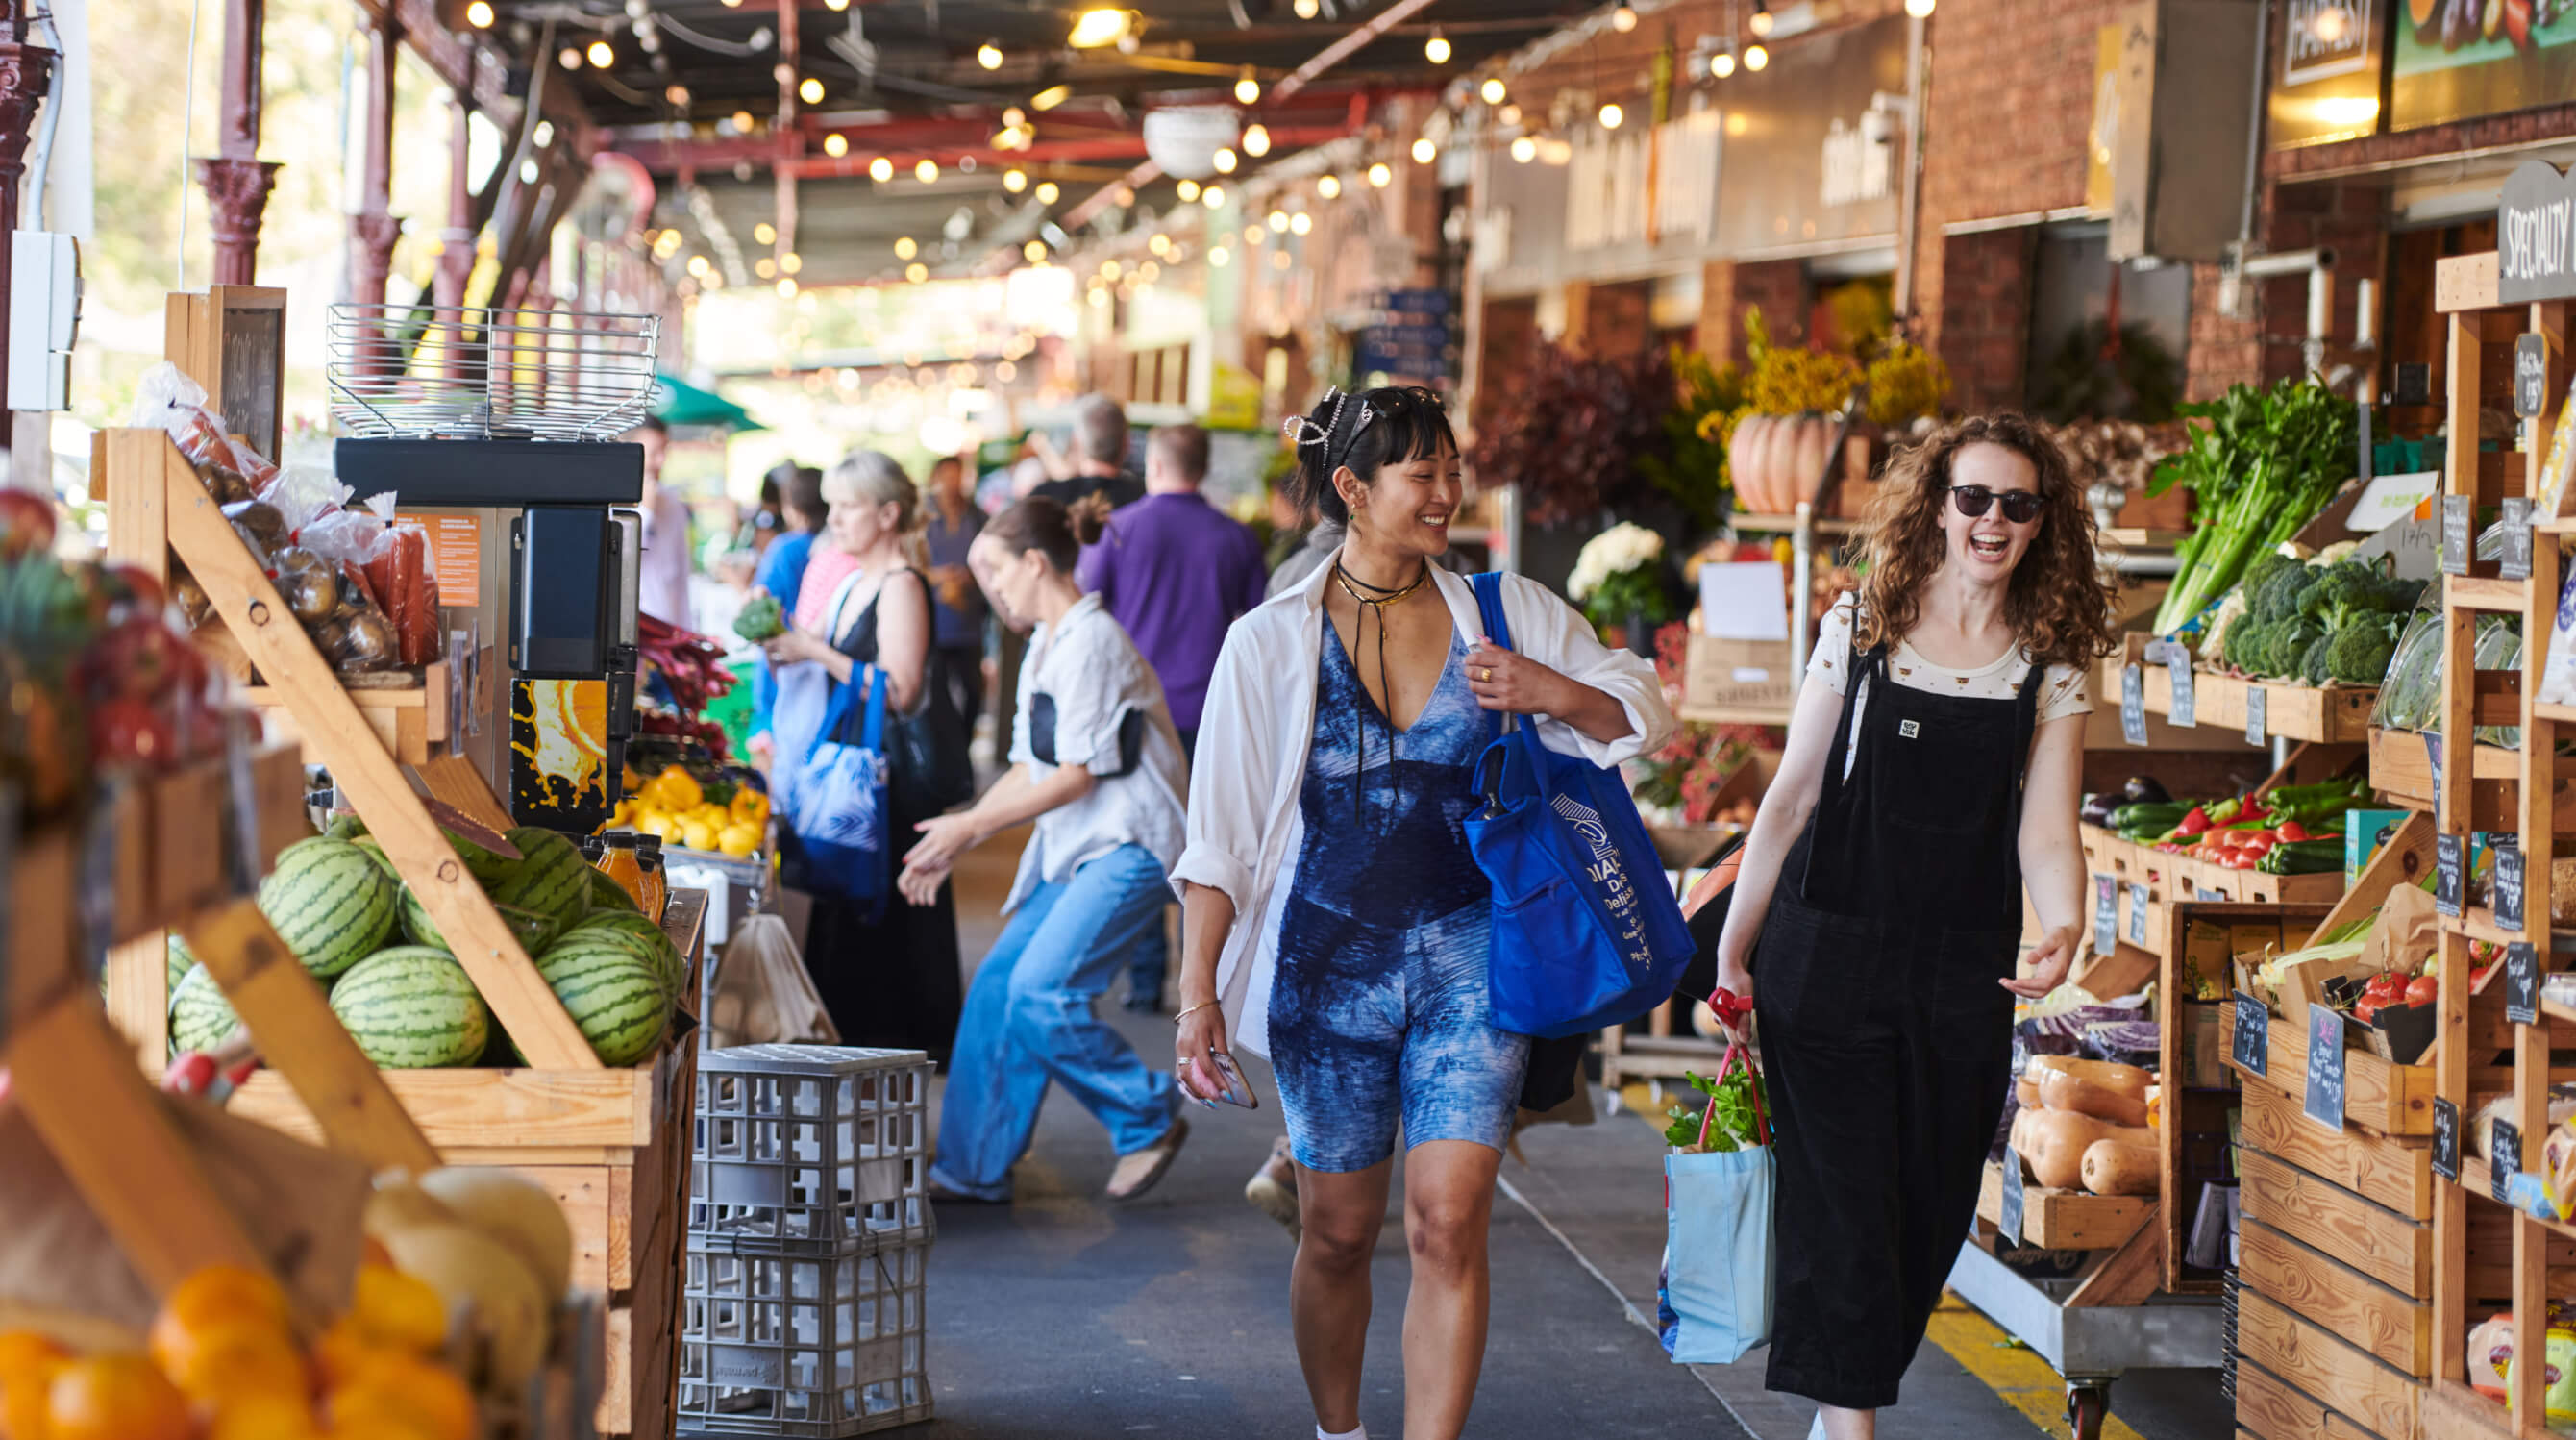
{"x": 2128, "y": 1079}
{"x": 2026, "y": 1090}
{"x": 2117, "y": 1166}
{"x": 2061, "y": 1091}
{"x": 2054, "y": 1142}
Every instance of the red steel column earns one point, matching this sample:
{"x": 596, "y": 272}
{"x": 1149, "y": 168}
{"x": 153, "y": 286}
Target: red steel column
{"x": 374, "y": 229}
{"x": 236, "y": 180}
{"x": 456, "y": 255}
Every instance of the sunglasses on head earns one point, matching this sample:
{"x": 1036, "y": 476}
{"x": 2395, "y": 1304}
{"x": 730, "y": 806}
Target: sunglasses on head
{"x": 2020, "y": 506}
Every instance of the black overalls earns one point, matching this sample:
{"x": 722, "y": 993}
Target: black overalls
{"x": 1885, "y": 1038}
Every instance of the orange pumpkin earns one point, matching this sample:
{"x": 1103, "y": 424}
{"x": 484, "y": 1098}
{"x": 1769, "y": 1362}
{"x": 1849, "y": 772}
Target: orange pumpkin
{"x": 1766, "y": 465}
{"x": 1811, "y": 436}
{"x": 1740, "y": 462}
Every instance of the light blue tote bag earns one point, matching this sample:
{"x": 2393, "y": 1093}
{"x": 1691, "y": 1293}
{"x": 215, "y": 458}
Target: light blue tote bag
{"x": 1713, "y": 1301}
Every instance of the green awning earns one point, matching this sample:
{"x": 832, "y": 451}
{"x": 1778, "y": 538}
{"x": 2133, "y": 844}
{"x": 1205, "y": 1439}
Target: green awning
{"x": 681, "y": 404}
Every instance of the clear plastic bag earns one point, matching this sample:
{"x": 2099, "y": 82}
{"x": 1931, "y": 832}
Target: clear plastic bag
{"x": 2558, "y": 674}
{"x": 2410, "y": 697}
{"x": 2499, "y": 648}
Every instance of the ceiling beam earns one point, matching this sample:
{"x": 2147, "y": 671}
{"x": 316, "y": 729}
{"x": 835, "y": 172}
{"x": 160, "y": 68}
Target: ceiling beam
{"x": 710, "y": 156}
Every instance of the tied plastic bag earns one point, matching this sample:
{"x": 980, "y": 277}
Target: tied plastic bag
{"x": 1713, "y": 1298}
{"x": 2558, "y": 675}
{"x": 2410, "y": 697}
{"x": 167, "y": 400}
{"x": 2490, "y": 1351}
{"x": 763, "y": 994}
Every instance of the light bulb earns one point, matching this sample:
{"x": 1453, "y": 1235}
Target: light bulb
{"x": 1380, "y": 176}
{"x": 1722, "y": 64}
{"x": 1611, "y": 115}
{"x": 742, "y": 122}
{"x": 925, "y": 170}
{"x": 765, "y": 268}
{"x": 1308, "y": 9}
{"x": 1213, "y": 197}
{"x": 1524, "y": 149}
{"x": 1300, "y": 223}
{"x": 1256, "y": 141}
{"x": 1755, "y": 57}
{"x": 1493, "y": 90}
{"x": 1224, "y": 161}
{"x": 677, "y": 94}
{"x": 1254, "y": 235}
{"x": 1247, "y": 87}
{"x": 786, "y": 289}
{"x": 1109, "y": 269}
{"x": 791, "y": 262}
{"x": 1047, "y": 192}
{"x": 701, "y": 266}
{"x": 1424, "y": 151}
{"x": 1623, "y": 19}
{"x": 1014, "y": 118}
{"x": 1279, "y": 260}
{"x": 810, "y": 91}
{"x": 1036, "y": 252}
{"x": 1125, "y": 195}
{"x": 764, "y": 233}
{"x": 1096, "y": 28}
{"x": 1161, "y": 244}
{"x": 916, "y": 272}
{"x": 836, "y": 145}
{"x": 1922, "y": 9}
{"x": 989, "y": 55}
{"x": 1436, "y": 49}
{"x": 1050, "y": 97}
{"x": 602, "y": 54}
{"x": 479, "y": 14}
{"x": 1149, "y": 272}
{"x": 1762, "y": 20}
{"x": 1015, "y": 181}
{"x": 1218, "y": 255}
{"x": 1277, "y": 220}
{"x": 881, "y": 169}
{"x": 1188, "y": 190}
{"x": 905, "y": 248}
{"x": 1329, "y": 186}
{"x": 1509, "y": 115}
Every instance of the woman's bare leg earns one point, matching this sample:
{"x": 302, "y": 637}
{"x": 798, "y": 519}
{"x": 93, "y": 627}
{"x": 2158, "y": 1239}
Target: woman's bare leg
{"x": 1328, "y": 1287}
{"x": 1448, "y": 1208}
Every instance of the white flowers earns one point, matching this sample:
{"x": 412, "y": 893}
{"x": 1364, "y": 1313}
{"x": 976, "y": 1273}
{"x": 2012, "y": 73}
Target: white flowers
{"x": 1612, "y": 553}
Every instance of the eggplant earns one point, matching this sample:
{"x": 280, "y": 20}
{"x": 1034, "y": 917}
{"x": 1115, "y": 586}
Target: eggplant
{"x": 2144, "y": 790}
{"x": 2097, "y": 808}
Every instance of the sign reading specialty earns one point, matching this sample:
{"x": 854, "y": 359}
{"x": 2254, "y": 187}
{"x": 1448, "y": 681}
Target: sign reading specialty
{"x": 2536, "y": 235}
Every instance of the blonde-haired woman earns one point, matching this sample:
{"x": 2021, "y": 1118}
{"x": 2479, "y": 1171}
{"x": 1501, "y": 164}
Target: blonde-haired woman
{"x": 891, "y": 981}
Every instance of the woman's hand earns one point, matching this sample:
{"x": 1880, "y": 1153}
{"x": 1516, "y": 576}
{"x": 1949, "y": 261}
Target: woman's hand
{"x": 1509, "y": 681}
{"x": 2049, "y": 962}
{"x": 1200, "y": 1035}
{"x": 942, "y": 840}
{"x": 920, "y": 883}
{"x": 793, "y": 645}
{"x": 1733, "y": 975}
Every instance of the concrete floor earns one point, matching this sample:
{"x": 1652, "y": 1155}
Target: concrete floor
{"x": 1062, "y": 1316}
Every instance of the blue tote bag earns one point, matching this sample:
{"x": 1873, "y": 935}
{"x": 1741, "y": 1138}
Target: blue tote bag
{"x": 833, "y": 797}
{"x": 1713, "y": 1299}
{"x": 1587, "y": 933}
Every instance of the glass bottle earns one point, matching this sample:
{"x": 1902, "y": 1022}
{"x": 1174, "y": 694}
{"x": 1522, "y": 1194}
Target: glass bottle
{"x": 656, "y": 891}
{"x": 621, "y": 862}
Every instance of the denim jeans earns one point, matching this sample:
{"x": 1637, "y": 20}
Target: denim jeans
{"x": 1029, "y": 1019}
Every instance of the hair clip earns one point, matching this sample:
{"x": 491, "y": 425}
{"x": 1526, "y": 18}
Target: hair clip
{"x": 1306, "y": 432}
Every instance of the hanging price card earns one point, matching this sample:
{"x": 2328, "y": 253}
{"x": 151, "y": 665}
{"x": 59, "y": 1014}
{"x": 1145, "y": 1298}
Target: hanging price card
{"x": 2133, "y": 705}
{"x": 2521, "y": 984}
{"x": 2178, "y": 665}
{"x": 2137, "y": 913}
{"x": 2530, "y": 376}
{"x": 2324, "y": 1102}
{"x": 2446, "y": 1139}
{"x": 2458, "y": 534}
{"x": 2448, "y": 867}
{"x": 2106, "y": 914}
{"x": 2251, "y": 1048}
{"x": 2516, "y": 560}
{"x": 2009, "y": 1222}
{"x": 2433, "y": 761}
{"x": 2508, "y": 887}
{"x": 2504, "y": 1156}
{"x": 2256, "y": 731}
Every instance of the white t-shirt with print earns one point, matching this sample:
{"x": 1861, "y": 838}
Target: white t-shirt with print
{"x": 2062, "y": 690}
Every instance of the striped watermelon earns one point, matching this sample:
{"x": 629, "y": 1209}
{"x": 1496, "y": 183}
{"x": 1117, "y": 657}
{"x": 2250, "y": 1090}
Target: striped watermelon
{"x": 613, "y": 993}
{"x": 176, "y": 963}
{"x": 607, "y": 894}
{"x": 645, "y": 935}
{"x": 200, "y": 1017}
{"x": 550, "y": 877}
{"x": 331, "y": 903}
{"x": 535, "y": 931}
{"x": 412, "y": 1008}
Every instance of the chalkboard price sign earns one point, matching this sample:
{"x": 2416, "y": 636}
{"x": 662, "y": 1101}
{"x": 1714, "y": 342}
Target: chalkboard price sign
{"x": 2324, "y": 1101}
{"x": 2133, "y": 704}
{"x": 2446, "y": 1139}
{"x": 2251, "y": 1048}
{"x": 2521, "y": 984}
{"x": 2515, "y": 563}
{"x": 2508, "y": 887}
{"x": 2256, "y": 728}
{"x": 2178, "y": 664}
{"x": 2458, "y": 538}
{"x": 2530, "y": 376}
{"x": 2137, "y": 913}
{"x": 2433, "y": 760}
{"x": 2106, "y": 914}
{"x": 2449, "y": 865}
{"x": 2009, "y": 1222}
{"x": 2504, "y": 1156}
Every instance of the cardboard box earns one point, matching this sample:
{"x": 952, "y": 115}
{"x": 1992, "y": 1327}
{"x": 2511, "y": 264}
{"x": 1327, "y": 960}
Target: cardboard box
{"x": 2365, "y": 834}
{"x": 2204, "y": 1046}
{"x": 1737, "y": 675}
{"x": 2205, "y": 958}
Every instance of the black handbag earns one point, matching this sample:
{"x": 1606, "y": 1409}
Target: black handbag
{"x": 932, "y": 771}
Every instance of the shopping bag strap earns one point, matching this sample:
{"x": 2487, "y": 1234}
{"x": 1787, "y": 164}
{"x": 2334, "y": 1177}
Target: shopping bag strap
{"x": 866, "y": 678}
{"x": 1732, "y": 1010}
{"x": 1498, "y": 629}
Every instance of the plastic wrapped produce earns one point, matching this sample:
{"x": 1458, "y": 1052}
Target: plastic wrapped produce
{"x": 309, "y": 584}
{"x": 2411, "y": 696}
{"x": 2499, "y": 648}
{"x": 2558, "y": 674}
{"x": 260, "y": 519}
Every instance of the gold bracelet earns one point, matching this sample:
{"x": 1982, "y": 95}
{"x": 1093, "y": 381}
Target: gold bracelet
{"x": 1193, "y": 1010}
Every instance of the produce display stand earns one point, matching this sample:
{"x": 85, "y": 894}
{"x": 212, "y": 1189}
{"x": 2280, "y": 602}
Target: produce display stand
{"x": 612, "y": 1144}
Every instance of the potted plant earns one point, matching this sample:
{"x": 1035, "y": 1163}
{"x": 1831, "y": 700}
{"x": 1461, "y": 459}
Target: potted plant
{"x": 1692, "y": 470}
{"x": 1618, "y": 579}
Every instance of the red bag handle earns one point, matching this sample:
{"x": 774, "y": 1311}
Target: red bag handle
{"x": 1732, "y": 1010}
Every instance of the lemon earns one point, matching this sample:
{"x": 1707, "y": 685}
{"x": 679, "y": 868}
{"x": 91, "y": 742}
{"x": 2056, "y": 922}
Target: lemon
{"x": 738, "y": 839}
{"x": 656, "y": 824}
{"x": 698, "y": 834}
{"x": 677, "y": 789}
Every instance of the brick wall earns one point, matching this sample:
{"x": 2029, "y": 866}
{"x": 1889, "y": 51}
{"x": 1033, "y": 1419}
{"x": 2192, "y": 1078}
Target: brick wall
{"x": 1983, "y": 325}
{"x": 1728, "y": 289}
{"x": 1609, "y": 319}
{"x": 1503, "y": 350}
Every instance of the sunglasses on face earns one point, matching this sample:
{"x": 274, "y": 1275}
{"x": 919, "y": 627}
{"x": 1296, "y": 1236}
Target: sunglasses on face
{"x": 2020, "y": 506}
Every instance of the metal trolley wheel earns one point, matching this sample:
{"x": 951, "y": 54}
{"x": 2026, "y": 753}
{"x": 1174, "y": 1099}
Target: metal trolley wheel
{"x": 2088, "y": 1404}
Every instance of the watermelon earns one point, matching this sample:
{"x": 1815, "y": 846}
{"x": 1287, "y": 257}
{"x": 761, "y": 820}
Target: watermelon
{"x": 177, "y": 962}
{"x": 345, "y": 827}
{"x": 331, "y": 903}
{"x": 615, "y": 995}
{"x": 200, "y": 1017}
{"x": 412, "y": 1008}
{"x": 646, "y": 936}
{"x": 550, "y": 877}
{"x": 535, "y": 931}
{"x": 607, "y": 894}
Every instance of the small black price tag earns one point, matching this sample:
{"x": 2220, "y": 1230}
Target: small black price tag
{"x": 2251, "y": 1047}
{"x": 2446, "y": 1139}
{"x": 2256, "y": 731}
{"x": 2178, "y": 664}
{"x": 2009, "y": 1222}
{"x": 2516, "y": 560}
{"x": 2449, "y": 866}
{"x": 2106, "y": 914}
{"x": 2324, "y": 1101}
{"x": 2458, "y": 537}
{"x": 2433, "y": 761}
{"x": 2521, "y": 984}
{"x": 2504, "y": 1156}
{"x": 2508, "y": 887}
{"x": 2530, "y": 376}
{"x": 2133, "y": 704}
{"x": 2137, "y": 913}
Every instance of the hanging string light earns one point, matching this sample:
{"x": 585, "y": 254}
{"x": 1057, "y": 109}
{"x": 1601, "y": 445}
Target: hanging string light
{"x": 989, "y": 55}
{"x": 1036, "y": 252}
{"x": 1623, "y": 19}
{"x": 1722, "y": 64}
{"x": 1424, "y": 152}
{"x": 1762, "y": 18}
{"x": 925, "y": 170}
{"x": 905, "y": 248}
{"x": 602, "y": 54}
{"x": 1188, "y": 190}
{"x": 1047, "y": 192}
{"x": 1756, "y": 56}
{"x": 836, "y": 145}
{"x": 1436, "y": 49}
{"x": 1247, "y": 87}
{"x": 479, "y": 14}
{"x": 1611, "y": 115}
{"x": 1492, "y": 90}
{"x": 1256, "y": 140}
{"x": 1213, "y": 197}
{"x": 1524, "y": 149}
{"x": 810, "y": 91}
{"x": 1329, "y": 186}
{"x": 881, "y": 169}
{"x": 1224, "y": 161}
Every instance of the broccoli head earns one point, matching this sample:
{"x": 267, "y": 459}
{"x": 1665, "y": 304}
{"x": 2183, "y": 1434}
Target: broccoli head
{"x": 2285, "y": 594}
{"x": 2312, "y": 663}
{"x": 2359, "y": 650}
{"x": 2259, "y": 576}
{"x": 2245, "y": 642}
{"x": 2289, "y": 648}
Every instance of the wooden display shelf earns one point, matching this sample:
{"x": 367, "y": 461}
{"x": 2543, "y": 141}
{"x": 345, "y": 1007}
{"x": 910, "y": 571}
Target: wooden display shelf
{"x": 412, "y": 721}
{"x": 2314, "y": 1360}
{"x": 2331, "y": 715}
{"x": 2401, "y": 768}
{"x": 2471, "y": 592}
{"x": 2378, "y": 1096}
{"x": 1733, "y": 714}
{"x": 2064, "y": 1219}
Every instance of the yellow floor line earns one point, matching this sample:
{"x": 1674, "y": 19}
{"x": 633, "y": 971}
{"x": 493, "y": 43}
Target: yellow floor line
{"x": 2016, "y": 1375}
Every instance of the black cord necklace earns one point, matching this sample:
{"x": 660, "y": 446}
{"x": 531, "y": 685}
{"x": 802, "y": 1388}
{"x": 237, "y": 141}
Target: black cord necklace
{"x": 1380, "y": 597}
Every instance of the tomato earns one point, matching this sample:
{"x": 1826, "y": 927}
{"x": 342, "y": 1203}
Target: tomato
{"x": 2257, "y": 849}
{"x": 2423, "y": 990}
{"x": 2363, "y": 1010}
{"x": 2292, "y": 830}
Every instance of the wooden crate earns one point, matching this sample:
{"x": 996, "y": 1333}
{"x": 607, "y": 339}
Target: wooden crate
{"x": 2313, "y": 1360}
{"x": 2378, "y": 1096}
{"x": 2332, "y": 715}
{"x": 2064, "y": 1219}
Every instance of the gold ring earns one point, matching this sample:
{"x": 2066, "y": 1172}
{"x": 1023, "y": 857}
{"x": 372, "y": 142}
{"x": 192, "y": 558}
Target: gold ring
{"x": 1488, "y": 676}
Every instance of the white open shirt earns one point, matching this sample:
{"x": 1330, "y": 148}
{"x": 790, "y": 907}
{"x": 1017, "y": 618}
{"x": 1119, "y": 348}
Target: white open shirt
{"x": 1245, "y": 825}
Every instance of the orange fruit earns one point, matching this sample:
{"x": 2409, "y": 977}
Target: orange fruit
{"x": 216, "y": 1297}
{"x": 115, "y": 1397}
{"x": 409, "y": 1393}
{"x": 398, "y": 1310}
{"x": 264, "y": 1417}
{"x": 244, "y": 1360}
{"x": 23, "y": 1403}
{"x": 28, "y": 1353}
{"x": 343, "y": 1351}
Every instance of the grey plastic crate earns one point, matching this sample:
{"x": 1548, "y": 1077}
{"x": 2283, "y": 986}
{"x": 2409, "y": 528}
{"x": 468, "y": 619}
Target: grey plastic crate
{"x": 819, "y": 1346}
{"x": 811, "y": 1148}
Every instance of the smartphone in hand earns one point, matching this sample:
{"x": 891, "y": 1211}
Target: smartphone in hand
{"x": 1234, "y": 1090}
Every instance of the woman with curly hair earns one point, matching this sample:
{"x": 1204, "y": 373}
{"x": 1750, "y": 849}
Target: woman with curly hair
{"x": 1931, "y": 772}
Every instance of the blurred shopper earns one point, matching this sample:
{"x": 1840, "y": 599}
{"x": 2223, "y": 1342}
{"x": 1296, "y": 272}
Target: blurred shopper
{"x": 959, "y": 640}
{"x": 1099, "y": 769}
{"x": 1098, "y": 458}
{"x": 781, "y": 573}
{"x": 1332, "y": 908}
{"x": 892, "y": 982}
{"x": 662, "y": 578}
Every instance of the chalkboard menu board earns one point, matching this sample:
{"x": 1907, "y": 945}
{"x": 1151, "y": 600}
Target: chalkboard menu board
{"x": 2446, "y": 1139}
{"x": 2504, "y": 1156}
{"x": 2133, "y": 704}
{"x": 2458, "y": 538}
{"x": 2178, "y": 664}
{"x": 2137, "y": 912}
{"x": 2449, "y": 873}
{"x": 2508, "y": 885}
{"x": 2106, "y": 914}
{"x": 2252, "y": 1046}
{"x": 2515, "y": 531}
{"x": 2009, "y": 1222}
{"x": 2535, "y": 244}
{"x": 2521, "y": 984}
{"x": 2530, "y": 376}
{"x": 2255, "y": 728}
{"x": 2324, "y": 1101}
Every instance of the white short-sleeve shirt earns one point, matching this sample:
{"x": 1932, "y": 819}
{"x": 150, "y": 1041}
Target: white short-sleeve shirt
{"x": 1093, "y": 675}
{"x": 2062, "y": 690}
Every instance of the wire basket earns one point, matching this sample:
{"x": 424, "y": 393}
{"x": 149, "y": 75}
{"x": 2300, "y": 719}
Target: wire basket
{"x": 421, "y": 372}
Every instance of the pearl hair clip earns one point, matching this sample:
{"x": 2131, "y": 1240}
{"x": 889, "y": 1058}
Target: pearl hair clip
{"x": 1305, "y": 431}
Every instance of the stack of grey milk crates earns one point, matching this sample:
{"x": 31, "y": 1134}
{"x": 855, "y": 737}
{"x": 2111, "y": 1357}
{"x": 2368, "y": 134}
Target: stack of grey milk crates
{"x": 809, "y": 1238}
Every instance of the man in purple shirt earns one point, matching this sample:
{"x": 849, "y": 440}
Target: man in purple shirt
{"x": 1174, "y": 571}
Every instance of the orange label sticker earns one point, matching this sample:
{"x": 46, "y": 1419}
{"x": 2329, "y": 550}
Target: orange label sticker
{"x": 455, "y": 554}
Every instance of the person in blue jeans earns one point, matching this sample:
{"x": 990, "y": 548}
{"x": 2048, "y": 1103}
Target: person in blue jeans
{"x": 782, "y": 573}
{"x": 1098, "y": 766}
